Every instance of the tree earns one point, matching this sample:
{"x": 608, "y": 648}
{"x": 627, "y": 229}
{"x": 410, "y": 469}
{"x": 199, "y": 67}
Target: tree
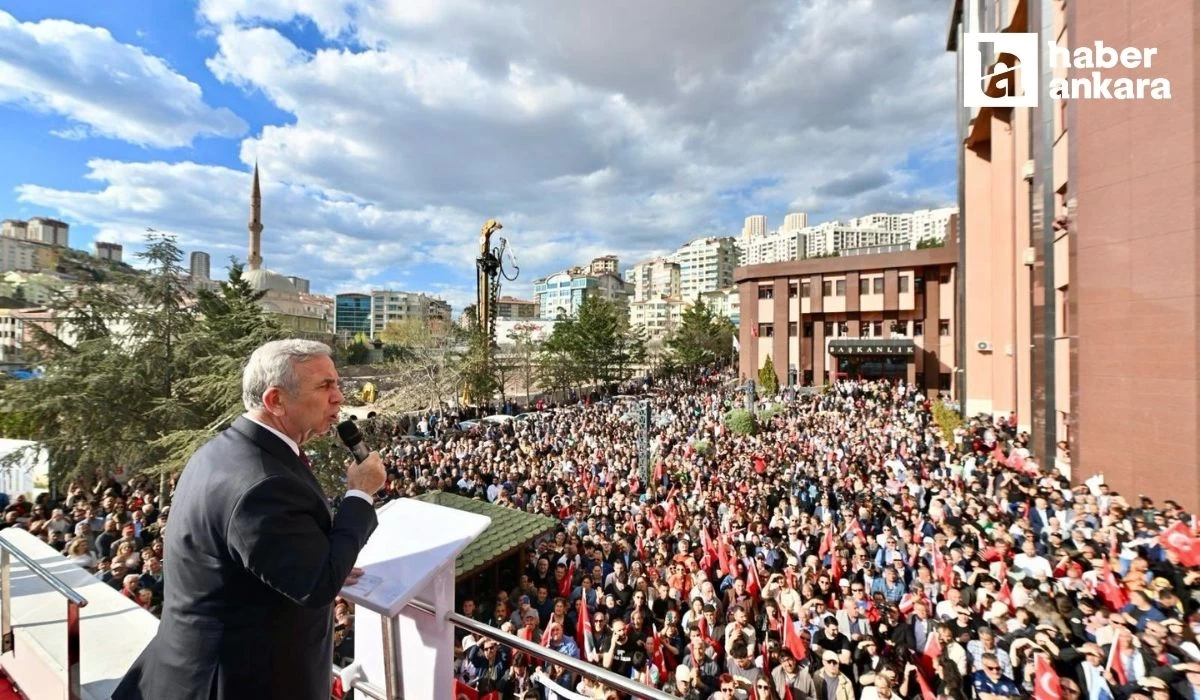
{"x": 524, "y": 353}
{"x": 430, "y": 369}
{"x": 767, "y": 378}
{"x": 138, "y": 373}
{"x": 702, "y": 338}
{"x": 110, "y": 389}
{"x": 596, "y": 347}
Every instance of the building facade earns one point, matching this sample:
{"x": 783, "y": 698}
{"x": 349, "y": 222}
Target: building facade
{"x": 38, "y": 229}
{"x": 653, "y": 279}
{"x": 706, "y": 265}
{"x": 562, "y": 293}
{"x": 352, "y": 315}
{"x": 1079, "y": 239}
{"x": 889, "y": 315}
{"x": 658, "y": 316}
{"x": 17, "y": 254}
{"x": 390, "y": 306}
{"x": 200, "y": 265}
{"x": 777, "y": 246}
{"x": 604, "y": 265}
{"x": 513, "y": 309}
{"x": 109, "y": 251}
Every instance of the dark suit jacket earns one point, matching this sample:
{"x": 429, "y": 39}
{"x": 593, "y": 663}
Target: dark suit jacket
{"x": 253, "y": 562}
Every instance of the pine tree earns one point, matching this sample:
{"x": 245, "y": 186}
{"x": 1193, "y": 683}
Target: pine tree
{"x": 767, "y": 379}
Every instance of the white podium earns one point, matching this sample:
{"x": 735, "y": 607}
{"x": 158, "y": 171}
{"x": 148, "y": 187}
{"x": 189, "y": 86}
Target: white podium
{"x": 410, "y": 556}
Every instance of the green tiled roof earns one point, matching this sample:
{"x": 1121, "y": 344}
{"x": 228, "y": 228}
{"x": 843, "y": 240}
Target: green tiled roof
{"x": 510, "y": 529}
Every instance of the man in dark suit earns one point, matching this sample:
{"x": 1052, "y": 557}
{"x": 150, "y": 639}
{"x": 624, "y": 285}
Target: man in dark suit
{"x": 254, "y": 558}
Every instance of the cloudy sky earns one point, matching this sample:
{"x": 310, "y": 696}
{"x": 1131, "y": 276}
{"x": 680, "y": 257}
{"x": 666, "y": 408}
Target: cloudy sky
{"x": 388, "y": 131}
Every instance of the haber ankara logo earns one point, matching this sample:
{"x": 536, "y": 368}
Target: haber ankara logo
{"x": 1010, "y": 77}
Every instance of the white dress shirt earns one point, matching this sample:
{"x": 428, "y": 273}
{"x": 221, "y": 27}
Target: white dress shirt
{"x": 296, "y": 451}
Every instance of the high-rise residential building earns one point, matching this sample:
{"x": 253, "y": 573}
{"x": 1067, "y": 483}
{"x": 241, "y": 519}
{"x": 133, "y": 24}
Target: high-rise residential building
{"x": 200, "y": 265}
{"x": 705, "y": 265}
{"x": 653, "y": 279}
{"x": 562, "y": 293}
{"x": 38, "y": 229}
{"x": 513, "y": 309}
{"x": 831, "y": 237}
{"x": 776, "y": 246}
{"x": 604, "y": 265}
{"x": 109, "y": 251}
{"x": 352, "y": 315}
{"x": 388, "y": 306}
{"x": 931, "y": 224}
{"x": 724, "y": 302}
{"x": 755, "y": 225}
{"x": 658, "y": 316}
{"x": 794, "y": 221}
{"x": 18, "y": 254}
{"x": 1079, "y": 226}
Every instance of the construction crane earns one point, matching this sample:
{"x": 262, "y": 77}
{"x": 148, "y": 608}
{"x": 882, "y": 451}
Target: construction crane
{"x": 490, "y": 267}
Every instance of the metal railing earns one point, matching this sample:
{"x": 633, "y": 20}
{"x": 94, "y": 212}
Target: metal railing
{"x": 74, "y": 603}
{"x": 577, "y": 666}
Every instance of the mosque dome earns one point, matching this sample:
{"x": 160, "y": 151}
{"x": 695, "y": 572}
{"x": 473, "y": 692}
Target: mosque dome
{"x": 265, "y": 280}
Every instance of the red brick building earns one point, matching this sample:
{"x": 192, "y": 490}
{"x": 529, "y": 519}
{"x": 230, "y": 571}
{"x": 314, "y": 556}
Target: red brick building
{"x": 882, "y": 315}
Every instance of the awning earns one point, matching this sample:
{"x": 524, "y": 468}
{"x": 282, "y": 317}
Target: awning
{"x": 872, "y": 347}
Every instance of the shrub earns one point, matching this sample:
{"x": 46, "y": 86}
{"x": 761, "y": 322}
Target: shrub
{"x": 767, "y": 379}
{"x": 770, "y": 412}
{"x": 947, "y": 419}
{"x": 740, "y": 422}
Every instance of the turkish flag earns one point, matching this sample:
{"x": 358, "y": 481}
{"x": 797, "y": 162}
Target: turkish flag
{"x": 1178, "y": 539}
{"x": 462, "y": 691}
{"x": 1045, "y": 680}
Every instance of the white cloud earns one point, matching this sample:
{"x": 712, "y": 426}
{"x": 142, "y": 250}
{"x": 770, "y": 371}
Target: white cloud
{"x": 624, "y": 127}
{"x": 104, "y": 87}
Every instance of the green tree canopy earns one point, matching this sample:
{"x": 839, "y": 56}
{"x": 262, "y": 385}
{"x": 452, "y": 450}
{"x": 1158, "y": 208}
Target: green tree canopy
{"x": 702, "y": 338}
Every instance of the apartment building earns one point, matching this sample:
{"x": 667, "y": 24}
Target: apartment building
{"x": 653, "y": 279}
{"x": 562, "y": 293}
{"x": 706, "y": 265}
{"x": 38, "y": 229}
{"x": 1078, "y": 256}
{"x": 109, "y": 251}
{"x": 388, "y": 306}
{"x": 659, "y": 316}
{"x": 513, "y": 309}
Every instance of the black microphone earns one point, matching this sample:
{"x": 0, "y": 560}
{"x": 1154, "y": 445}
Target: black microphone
{"x": 352, "y": 438}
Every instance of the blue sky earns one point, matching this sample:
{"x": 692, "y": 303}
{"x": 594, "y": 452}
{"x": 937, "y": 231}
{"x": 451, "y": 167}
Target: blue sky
{"x": 389, "y": 132}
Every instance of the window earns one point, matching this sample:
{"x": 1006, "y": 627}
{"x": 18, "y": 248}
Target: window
{"x": 1064, "y": 319}
{"x": 828, "y": 329}
{"x": 843, "y": 329}
{"x": 827, "y": 288}
{"x": 808, "y": 329}
{"x": 904, "y": 278}
{"x": 944, "y": 381}
{"x": 879, "y": 285}
{"x": 918, "y": 328}
{"x": 943, "y": 328}
{"x": 921, "y": 380}
{"x": 877, "y": 329}
{"x": 793, "y": 290}
{"x": 766, "y": 330}
{"x": 805, "y": 289}
{"x": 841, "y": 288}
{"x": 766, "y": 291}
{"x": 792, "y": 329}
{"x": 864, "y": 285}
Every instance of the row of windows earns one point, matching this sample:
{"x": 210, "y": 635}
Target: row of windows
{"x": 833, "y": 288}
{"x": 869, "y": 329}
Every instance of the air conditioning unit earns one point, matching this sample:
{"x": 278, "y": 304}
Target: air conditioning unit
{"x": 983, "y": 346}
{"x": 1029, "y": 256}
{"x": 1028, "y": 170}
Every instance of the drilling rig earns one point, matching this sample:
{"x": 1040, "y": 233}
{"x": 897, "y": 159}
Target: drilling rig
{"x": 490, "y": 267}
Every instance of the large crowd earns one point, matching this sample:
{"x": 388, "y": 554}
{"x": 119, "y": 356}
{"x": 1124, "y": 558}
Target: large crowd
{"x": 846, "y": 550}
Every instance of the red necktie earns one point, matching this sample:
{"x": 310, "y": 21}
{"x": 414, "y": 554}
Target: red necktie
{"x": 304, "y": 458}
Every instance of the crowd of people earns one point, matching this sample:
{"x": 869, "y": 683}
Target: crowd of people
{"x": 847, "y": 549}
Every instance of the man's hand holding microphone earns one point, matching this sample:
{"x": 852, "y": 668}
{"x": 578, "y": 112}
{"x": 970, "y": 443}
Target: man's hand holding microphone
{"x": 366, "y": 474}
